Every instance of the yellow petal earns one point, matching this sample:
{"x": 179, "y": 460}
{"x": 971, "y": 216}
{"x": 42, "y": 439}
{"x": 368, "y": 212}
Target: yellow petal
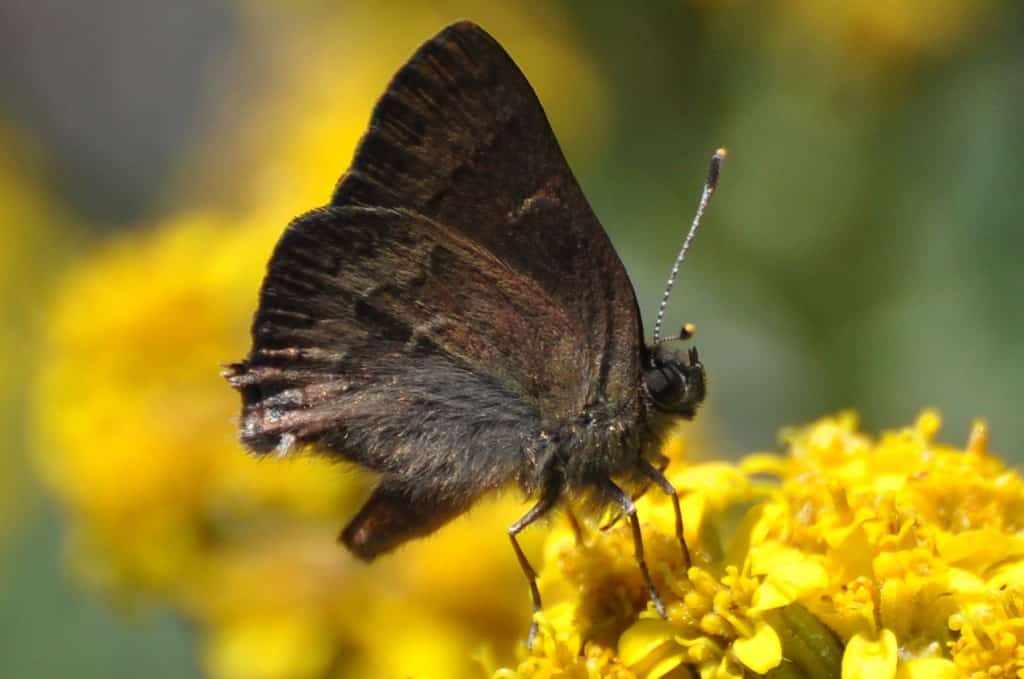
{"x": 643, "y": 638}
{"x": 979, "y": 547}
{"x": 693, "y": 507}
{"x": 977, "y": 442}
{"x": 896, "y": 606}
{"x": 269, "y": 649}
{"x": 928, "y": 668}
{"x": 763, "y": 463}
{"x": 851, "y": 553}
{"x": 1006, "y": 574}
{"x": 769, "y": 596}
{"x": 665, "y": 665}
{"x": 889, "y": 483}
{"x": 964, "y": 582}
{"x": 867, "y": 658}
{"x": 649, "y": 649}
{"x": 722, "y": 483}
{"x": 761, "y": 652}
{"x": 928, "y": 423}
{"x": 789, "y": 574}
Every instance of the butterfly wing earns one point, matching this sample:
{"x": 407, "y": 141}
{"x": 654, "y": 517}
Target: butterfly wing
{"x": 455, "y": 298}
{"x": 460, "y": 137}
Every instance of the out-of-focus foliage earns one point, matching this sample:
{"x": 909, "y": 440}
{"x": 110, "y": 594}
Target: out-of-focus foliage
{"x": 863, "y": 251}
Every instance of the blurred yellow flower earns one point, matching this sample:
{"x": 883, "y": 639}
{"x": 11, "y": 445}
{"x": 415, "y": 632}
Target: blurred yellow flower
{"x": 137, "y": 431}
{"x": 896, "y": 31}
{"x": 846, "y": 556}
{"x": 307, "y": 113}
{"x": 137, "y": 439}
{"x": 30, "y": 221}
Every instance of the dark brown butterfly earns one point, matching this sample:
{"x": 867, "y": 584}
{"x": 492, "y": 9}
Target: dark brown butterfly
{"x": 456, "y": 318}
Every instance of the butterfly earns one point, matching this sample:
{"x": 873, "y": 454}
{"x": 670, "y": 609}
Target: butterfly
{"x": 457, "y": 320}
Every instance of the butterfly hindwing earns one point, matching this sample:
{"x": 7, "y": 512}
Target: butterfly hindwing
{"x": 376, "y": 367}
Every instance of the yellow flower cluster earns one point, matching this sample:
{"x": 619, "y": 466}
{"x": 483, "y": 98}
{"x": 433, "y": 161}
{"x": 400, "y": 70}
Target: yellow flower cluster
{"x": 897, "y": 30}
{"x": 890, "y": 34}
{"x": 138, "y": 441}
{"x": 845, "y": 557}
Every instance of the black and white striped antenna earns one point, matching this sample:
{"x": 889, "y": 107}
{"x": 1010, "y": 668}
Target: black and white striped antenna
{"x": 705, "y": 199}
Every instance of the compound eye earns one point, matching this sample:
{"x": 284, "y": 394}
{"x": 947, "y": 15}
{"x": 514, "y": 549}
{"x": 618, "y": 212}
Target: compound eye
{"x": 665, "y": 385}
{"x": 657, "y": 382}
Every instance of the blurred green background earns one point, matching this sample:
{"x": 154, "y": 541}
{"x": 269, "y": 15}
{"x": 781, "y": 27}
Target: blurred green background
{"x": 863, "y": 250}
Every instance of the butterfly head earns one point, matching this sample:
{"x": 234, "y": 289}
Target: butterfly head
{"x": 675, "y": 383}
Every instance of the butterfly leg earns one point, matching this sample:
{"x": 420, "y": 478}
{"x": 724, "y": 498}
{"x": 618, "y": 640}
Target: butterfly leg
{"x": 661, "y": 466}
{"x": 543, "y": 506}
{"x": 574, "y": 523}
{"x": 657, "y": 475}
{"x": 629, "y": 509}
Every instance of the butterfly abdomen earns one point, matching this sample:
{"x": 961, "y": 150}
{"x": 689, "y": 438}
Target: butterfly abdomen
{"x": 604, "y": 440}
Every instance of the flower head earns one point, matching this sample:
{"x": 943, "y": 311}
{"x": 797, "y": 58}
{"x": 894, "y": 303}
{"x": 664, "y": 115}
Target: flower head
{"x": 845, "y": 556}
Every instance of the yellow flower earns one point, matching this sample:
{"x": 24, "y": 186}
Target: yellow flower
{"x": 845, "y": 557}
{"x": 895, "y": 31}
{"x": 296, "y": 138}
{"x": 138, "y": 441}
{"x": 30, "y": 249}
{"x": 990, "y": 633}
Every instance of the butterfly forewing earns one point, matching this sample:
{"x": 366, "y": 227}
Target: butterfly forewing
{"x": 461, "y": 138}
{"x": 457, "y": 296}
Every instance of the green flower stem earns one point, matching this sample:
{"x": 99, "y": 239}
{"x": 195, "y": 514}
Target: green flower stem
{"x": 811, "y": 647}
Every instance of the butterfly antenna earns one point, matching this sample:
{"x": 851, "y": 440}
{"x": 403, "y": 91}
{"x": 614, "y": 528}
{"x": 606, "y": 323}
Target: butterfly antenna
{"x": 705, "y": 198}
